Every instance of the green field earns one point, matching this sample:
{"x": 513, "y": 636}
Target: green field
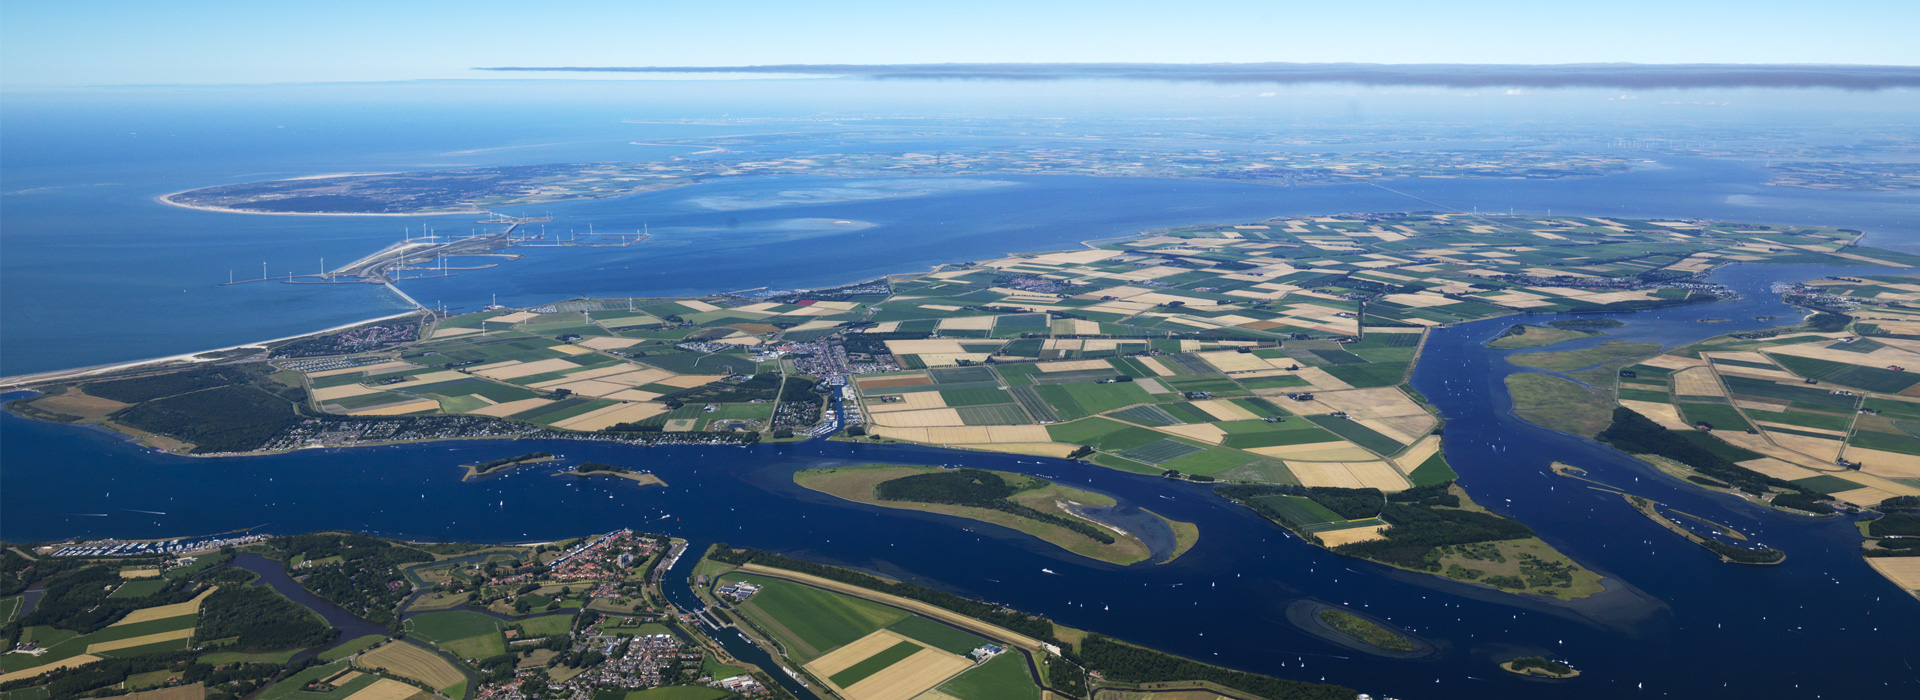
{"x": 1876, "y": 379}
{"x": 1003, "y": 414}
{"x": 467, "y": 634}
{"x": 138, "y": 588}
{"x": 545, "y": 625}
{"x": 1359, "y": 434}
{"x": 1299, "y": 510}
{"x": 351, "y": 647}
{"x": 1159, "y": 452}
{"x": 1720, "y": 416}
{"x": 1433, "y": 471}
{"x": 1003, "y": 677}
{"x": 1826, "y": 484}
{"x": 874, "y": 664}
{"x": 939, "y": 636}
{"x": 813, "y": 621}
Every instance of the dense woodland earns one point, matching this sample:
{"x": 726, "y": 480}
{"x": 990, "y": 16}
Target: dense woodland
{"x": 358, "y": 581}
{"x": 138, "y": 389}
{"x": 257, "y": 618}
{"x": 1421, "y": 520}
{"x": 1636, "y": 434}
{"x": 978, "y": 488}
{"x": 221, "y": 419}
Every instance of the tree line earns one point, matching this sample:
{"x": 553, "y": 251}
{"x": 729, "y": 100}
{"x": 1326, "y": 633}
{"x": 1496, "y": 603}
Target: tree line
{"x": 978, "y": 488}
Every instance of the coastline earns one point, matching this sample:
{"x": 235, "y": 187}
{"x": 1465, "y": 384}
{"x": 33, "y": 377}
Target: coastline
{"x": 21, "y": 381}
{"x": 167, "y": 199}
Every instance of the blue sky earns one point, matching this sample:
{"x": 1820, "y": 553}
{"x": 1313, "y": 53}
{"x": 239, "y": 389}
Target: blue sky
{"x": 82, "y": 42}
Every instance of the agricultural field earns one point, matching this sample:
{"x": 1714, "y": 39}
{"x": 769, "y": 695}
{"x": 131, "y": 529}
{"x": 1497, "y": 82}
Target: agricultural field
{"x": 1832, "y": 412}
{"x": 862, "y": 650}
{"x": 994, "y": 354}
{"x": 143, "y": 631}
{"x": 467, "y": 634}
{"x": 405, "y": 660}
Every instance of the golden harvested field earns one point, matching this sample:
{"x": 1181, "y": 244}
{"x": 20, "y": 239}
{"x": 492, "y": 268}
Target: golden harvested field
{"x": 395, "y": 409}
{"x": 1230, "y": 361}
{"x": 1892, "y": 465}
{"x": 504, "y": 371}
{"x": 1320, "y": 380}
{"x": 1818, "y": 448}
{"x": 69, "y": 662}
{"x": 1663, "y": 413}
{"x": 1383, "y": 402}
{"x": 439, "y": 333}
{"x": 930, "y": 418}
{"x": 140, "y": 573}
{"x": 573, "y": 350}
{"x": 1902, "y": 571}
{"x": 1335, "y": 538}
{"x": 910, "y": 676}
{"x": 142, "y": 640}
{"x": 1002, "y": 434}
{"x": 854, "y": 652}
{"x": 1204, "y": 432}
{"x": 408, "y": 661}
{"x": 687, "y": 381}
{"x": 1222, "y": 409}
{"x": 1418, "y": 453}
{"x": 162, "y": 612}
{"x": 612, "y": 415}
{"x": 195, "y": 691}
{"x": 341, "y": 392}
{"x": 908, "y": 402}
{"x": 968, "y": 323}
{"x": 925, "y": 347}
{"x": 385, "y": 689}
{"x": 1349, "y": 475}
{"x": 502, "y": 410}
{"x": 605, "y": 343}
{"x": 681, "y": 425}
{"x": 1072, "y": 365}
{"x": 1698, "y": 381}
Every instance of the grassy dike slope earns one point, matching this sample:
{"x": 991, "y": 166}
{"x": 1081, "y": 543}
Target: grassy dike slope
{"x": 858, "y": 484}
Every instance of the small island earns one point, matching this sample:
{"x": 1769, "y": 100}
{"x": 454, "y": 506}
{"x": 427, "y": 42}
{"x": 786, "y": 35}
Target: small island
{"x": 485, "y": 468}
{"x": 1538, "y": 667}
{"x": 1364, "y": 630}
{"x": 598, "y": 469}
{"x": 1029, "y": 504}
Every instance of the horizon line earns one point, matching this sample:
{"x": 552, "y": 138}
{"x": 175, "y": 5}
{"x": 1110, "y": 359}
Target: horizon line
{"x": 1455, "y": 75}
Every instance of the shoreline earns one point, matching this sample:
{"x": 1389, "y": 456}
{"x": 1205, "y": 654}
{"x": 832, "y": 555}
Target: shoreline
{"x": 21, "y": 381}
{"x": 167, "y": 199}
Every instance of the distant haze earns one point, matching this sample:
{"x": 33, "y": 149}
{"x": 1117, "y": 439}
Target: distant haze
{"x": 1598, "y": 75}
